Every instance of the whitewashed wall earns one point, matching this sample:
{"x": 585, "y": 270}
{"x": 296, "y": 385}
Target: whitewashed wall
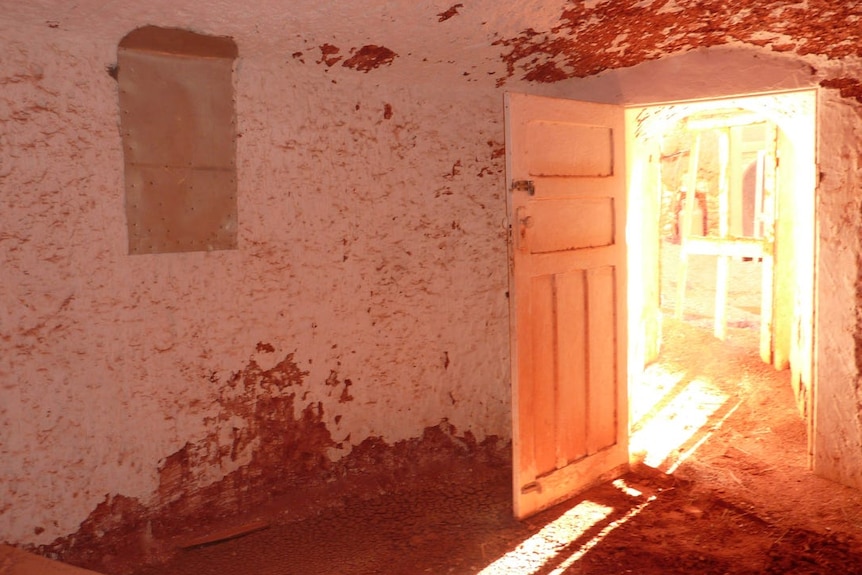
{"x": 370, "y": 245}
{"x": 837, "y": 440}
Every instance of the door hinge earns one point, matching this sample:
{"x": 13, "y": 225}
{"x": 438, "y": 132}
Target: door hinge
{"x": 524, "y": 186}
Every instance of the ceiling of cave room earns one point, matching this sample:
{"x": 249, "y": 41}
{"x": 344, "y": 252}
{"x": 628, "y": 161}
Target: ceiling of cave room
{"x": 474, "y": 40}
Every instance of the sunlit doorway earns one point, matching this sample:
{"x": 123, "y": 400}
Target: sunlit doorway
{"x": 721, "y": 236}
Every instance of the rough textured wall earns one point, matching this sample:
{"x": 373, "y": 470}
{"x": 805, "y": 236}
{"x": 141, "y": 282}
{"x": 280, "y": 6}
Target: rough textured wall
{"x": 366, "y": 301}
{"x": 367, "y": 297}
{"x": 838, "y": 401}
{"x": 73, "y": 367}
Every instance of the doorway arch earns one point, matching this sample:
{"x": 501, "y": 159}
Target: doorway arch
{"x": 794, "y": 113}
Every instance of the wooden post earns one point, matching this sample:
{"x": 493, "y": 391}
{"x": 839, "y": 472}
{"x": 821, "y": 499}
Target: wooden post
{"x": 685, "y": 231}
{"x": 758, "y": 194}
{"x": 768, "y": 219}
{"x": 723, "y": 262}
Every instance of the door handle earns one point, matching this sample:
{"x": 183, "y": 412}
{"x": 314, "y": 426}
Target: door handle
{"x": 534, "y": 487}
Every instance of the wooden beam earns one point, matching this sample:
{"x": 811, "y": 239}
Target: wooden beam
{"x": 722, "y": 265}
{"x": 724, "y": 121}
{"x": 225, "y": 533}
{"x": 729, "y": 246}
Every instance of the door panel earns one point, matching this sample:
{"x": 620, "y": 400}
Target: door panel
{"x": 572, "y": 335}
{"x": 567, "y": 295}
{"x": 543, "y": 324}
{"x": 550, "y": 146}
{"x": 568, "y": 224}
{"x": 602, "y": 345}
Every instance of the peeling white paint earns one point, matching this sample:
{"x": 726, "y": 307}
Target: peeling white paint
{"x": 671, "y": 7}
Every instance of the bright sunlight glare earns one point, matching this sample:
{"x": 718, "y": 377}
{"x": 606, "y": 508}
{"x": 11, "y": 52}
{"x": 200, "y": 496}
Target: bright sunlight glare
{"x": 660, "y": 437}
{"x": 675, "y": 416}
{"x": 583, "y": 549}
{"x": 558, "y": 536}
{"x": 554, "y": 537}
{"x": 626, "y": 488}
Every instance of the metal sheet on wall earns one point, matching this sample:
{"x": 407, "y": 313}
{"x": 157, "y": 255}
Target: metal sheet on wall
{"x": 180, "y": 209}
{"x": 179, "y": 143}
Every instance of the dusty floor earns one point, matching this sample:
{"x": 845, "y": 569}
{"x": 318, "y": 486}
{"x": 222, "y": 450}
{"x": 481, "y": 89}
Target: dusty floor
{"x": 721, "y": 487}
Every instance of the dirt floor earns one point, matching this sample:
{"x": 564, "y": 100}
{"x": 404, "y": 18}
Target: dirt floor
{"x": 720, "y": 486}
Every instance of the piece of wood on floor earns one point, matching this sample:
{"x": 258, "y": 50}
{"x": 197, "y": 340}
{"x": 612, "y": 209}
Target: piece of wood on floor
{"x": 230, "y": 532}
{"x": 14, "y": 561}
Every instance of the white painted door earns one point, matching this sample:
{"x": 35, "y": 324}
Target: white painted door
{"x": 566, "y": 170}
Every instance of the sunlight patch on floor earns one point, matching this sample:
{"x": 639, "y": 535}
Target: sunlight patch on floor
{"x": 659, "y": 439}
{"x": 655, "y": 383}
{"x": 680, "y": 459}
{"x": 553, "y": 538}
{"x": 560, "y": 536}
{"x": 672, "y": 415}
{"x": 585, "y": 548}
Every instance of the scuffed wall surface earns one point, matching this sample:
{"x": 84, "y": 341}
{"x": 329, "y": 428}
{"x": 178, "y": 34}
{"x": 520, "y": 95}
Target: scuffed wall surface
{"x": 838, "y": 409}
{"x": 372, "y": 258}
{"x": 71, "y": 367}
{"x": 372, "y": 249}
{"x": 394, "y": 222}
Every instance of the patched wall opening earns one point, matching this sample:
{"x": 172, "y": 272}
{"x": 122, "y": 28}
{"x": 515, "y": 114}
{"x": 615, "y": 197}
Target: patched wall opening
{"x": 178, "y": 127}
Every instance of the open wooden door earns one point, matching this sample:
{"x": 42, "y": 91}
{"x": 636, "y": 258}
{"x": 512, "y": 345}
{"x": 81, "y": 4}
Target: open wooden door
{"x": 567, "y": 204}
